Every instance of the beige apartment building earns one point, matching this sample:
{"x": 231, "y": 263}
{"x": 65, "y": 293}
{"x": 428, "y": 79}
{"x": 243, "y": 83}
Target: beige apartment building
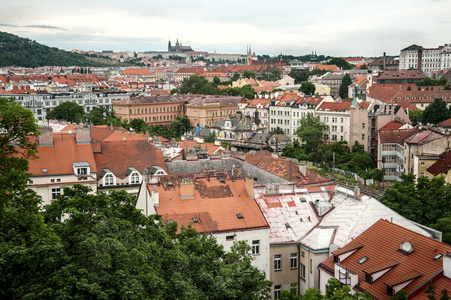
{"x": 207, "y": 110}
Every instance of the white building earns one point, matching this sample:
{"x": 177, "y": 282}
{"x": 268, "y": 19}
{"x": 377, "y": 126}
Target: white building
{"x": 427, "y": 60}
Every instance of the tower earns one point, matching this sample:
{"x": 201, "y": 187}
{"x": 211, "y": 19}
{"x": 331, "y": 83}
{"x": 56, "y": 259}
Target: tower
{"x": 169, "y": 46}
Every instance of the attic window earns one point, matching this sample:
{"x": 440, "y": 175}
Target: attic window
{"x": 362, "y": 260}
{"x": 195, "y": 220}
{"x": 240, "y": 216}
{"x": 437, "y": 257}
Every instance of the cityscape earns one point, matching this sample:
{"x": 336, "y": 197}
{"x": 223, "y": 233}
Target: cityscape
{"x": 186, "y": 168}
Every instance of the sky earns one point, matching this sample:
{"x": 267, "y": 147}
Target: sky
{"x": 329, "y": 27}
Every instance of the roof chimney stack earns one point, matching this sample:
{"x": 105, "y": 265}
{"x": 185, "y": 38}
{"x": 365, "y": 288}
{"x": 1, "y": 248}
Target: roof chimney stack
{"x": 46, "y": 137}
{"x": 447, "y": 264}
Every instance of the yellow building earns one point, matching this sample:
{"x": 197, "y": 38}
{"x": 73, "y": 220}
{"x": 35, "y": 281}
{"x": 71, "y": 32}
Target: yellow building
{"x": 207, "y": 110}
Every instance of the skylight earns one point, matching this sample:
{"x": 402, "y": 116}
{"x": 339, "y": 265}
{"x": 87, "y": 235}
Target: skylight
{"x": 363, "y": 259}
{"x": 437, "y": 257}
{"x": 240, "y": 216}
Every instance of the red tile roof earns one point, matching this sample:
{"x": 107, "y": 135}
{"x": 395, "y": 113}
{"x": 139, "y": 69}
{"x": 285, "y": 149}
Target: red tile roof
{"x": 418, "y": 264}
{"x": 215, "y": 204}
{"x": 442, "y": 165}
{"x": 139, "y": 72}
{"x": 58, "y": 159}
{"x": 423, "y": 137}
{"x": 118, "y": 156}
{"x": 332, "y": 68}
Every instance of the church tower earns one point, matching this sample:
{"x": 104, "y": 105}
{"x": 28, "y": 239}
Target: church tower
{"x": 169, "y": 46}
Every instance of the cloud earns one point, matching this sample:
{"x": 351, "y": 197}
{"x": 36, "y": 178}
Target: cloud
{"x": 8, "y": 25}
{"x": 45, "y": 27}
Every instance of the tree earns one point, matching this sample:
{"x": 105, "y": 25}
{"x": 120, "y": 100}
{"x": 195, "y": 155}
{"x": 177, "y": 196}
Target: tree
{"x": 180, "y": 125}
{"x": 248, "y": 74}
{"x": 341, "y": 63}
{"x": 216, "y": 81}
{"x": 335, "y": 291}
{"x": 415, "y": 116}
{"x": 278, "y": 130}
{"x": 211, "y": 138}
{"x": 67, "y": 111}
{"x": 139, "y": 125}
{"x": 311, "y": 131}
{"x": 198, "y": 85}
{"x": 103, "y": 116}
{"x": 235, "y": 77}
{"x": 345, "y": 82}
{"x": 422, "y": 200}
{"x": 436, "y": 112}
{"x": 307, "y": 88}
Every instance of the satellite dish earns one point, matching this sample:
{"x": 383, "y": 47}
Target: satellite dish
{"x": 70, "y": 131}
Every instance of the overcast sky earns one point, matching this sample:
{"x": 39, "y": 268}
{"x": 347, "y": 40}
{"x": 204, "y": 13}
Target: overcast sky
{"x": 330, "y": 27}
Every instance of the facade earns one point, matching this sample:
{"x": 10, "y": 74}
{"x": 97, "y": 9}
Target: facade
{"x": 334, "y": 82}
{"x": 207, "y": 110}
{"x": 41, "y": 104}
{"x": 408, "y": 261}
{"x": 154, "y": 110}
{"x": 426, "y": 60}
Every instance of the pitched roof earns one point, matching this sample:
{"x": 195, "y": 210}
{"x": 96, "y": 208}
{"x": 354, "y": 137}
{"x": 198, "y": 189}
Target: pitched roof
{"x": 418, "y": 265}
{"x": 423, "y": 137}
{"x": 214, "y": 203}
{"x": 118, "y": 156}
{"x": 396, "y": 136}
{"x": 139, "y": 72}
{"x": 284, "y": 168}
{"x": 442, "y": 165}
{"x": 58, "y": 159}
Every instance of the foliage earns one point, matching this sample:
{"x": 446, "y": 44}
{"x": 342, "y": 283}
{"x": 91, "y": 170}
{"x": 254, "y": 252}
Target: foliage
{"x": 216, "y": 81}
{"x": 17, "y": 51}
{"x": 425, "y": 201}
{"x": 305, "y": 75}
{"x": 138, "y": 125}
{"x": 275, "y": 75}
{"x": 17, "y": 130}
{"x": 307, "y": 88}
{"x": 341, "y": 63}
{"x": 67, "y": 111}
{"x": 345, "y": 82}
{"x": 335, "y": 291}
{"x": 246, "y": 91}
{"x": 430, "y": 290}
{"x": 278, "y": 130}
{"x": 415, "y": 116}
{"x": 302, "y": 58}
{"x": 431, "y": 82}
{"x": 103, "y": 116}
{"x": 311, "y": 131}
{"x": 436, "y": 112}
{"x": 248, "y": 74}
{"x": 198, "y": 85}
{"x": 211, "y": 138}
{"x": 180, "y": 125}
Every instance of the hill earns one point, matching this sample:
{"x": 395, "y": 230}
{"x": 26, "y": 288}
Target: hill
{"x": 17, "y": 51}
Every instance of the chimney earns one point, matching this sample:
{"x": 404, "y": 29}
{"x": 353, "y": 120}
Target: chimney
{"x": 155, "y": 197}
{"x": 46, "y": 137}
{"x": 447, "y": 264}
{"x": 356, "y": 191}
{"x": 83, "y": 135}
{"x": 303, "y": 170}
{"x": 384, "y": 62}
{"x": 187, "y": 188}
{"x": 420, "y": 58}
{"x": 250, "y": 186}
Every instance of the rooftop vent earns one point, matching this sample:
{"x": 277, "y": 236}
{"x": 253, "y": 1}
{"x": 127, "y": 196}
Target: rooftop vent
{"x": 406, "y": 247}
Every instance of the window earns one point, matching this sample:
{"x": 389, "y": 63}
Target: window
{"x": 55, "y": 193}
{"x": 294, "y": 261}
{"x": 230, "y": 237}
{"x": 363, "y": 125}
{"x": 422, "y": 163}
{"x": 278, "y": 262}
{"x": 363, "y": 136}
{"x": 311, "y": 266}
{"x": 58, "y": 180}
{"x": 82, "y": 171}
{"x": 302, "y": 271}
{"x": 255, "y": 247}
{"x": 134, "y": 178}
{"x": 52, "y": 180}
{"x": 109, "y": 179}
{"x": 277, "y": 290}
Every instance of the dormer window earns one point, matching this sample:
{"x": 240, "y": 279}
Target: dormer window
{"x": 134, "y": 178}
{"x": 108, "y": 179}
{"x": 81, "y": 168}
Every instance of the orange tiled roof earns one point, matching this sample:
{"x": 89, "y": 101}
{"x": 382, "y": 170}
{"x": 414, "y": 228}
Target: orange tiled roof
{"x": 139, "y": 72}
{"x": 58, "y": 159}
{"x": 214, "y": 203}
{"x": 332, "y": 68}
{"x": 211, "y": 148}
{"x": 418, "y": 265}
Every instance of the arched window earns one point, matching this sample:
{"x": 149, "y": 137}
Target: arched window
{"x": 134, "y": 178}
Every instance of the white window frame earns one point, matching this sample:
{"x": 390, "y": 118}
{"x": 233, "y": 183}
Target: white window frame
{"x": 277, "y": 291}
{"x": 135, "y": 178}
{"x": 109, "y": 179}
{"x": 302, "y": 271}
{"x": 255, "y": 247}
{"x": 294, "y": 261}
{"x": 278, "y": 262}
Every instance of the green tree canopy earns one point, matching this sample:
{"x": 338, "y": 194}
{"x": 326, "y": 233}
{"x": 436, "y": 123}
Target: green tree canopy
{"x": 436, "y": 112}
{"x": 341, "y": 63}
{"x": 426, "y": 201}
{"x": 67, "y": 111}
{"x": 307, "y": 88}
{"x": 103, "y": 116}
{"x": 211, "y": 138}
{"x": 415, "y": 116}
{"x": 311, "y": 131}
{"x": 345, "y": 82}
{"x": 248, "y": 74}
{"x": 138, "y": 125}
{"x": 198, "y": 85}
{"x": 180, "y": 125}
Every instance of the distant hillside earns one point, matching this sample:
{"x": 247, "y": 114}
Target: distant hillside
{"x": 17, "y": 51}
